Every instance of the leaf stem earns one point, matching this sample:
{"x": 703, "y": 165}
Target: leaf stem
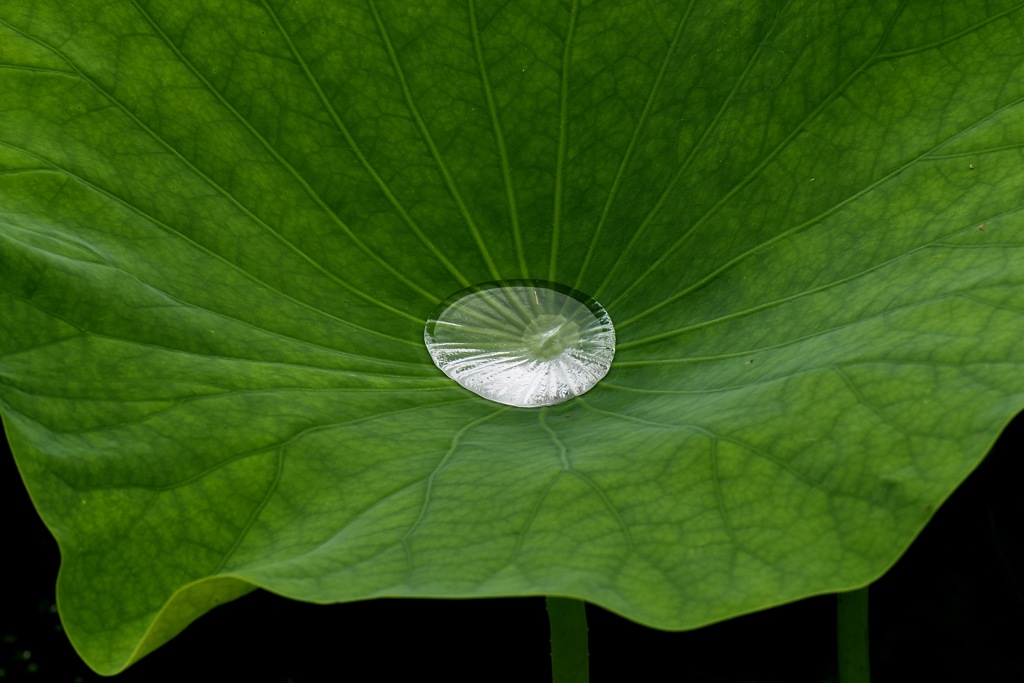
{"x": 852, "y": 636}
{"x": 570, "y": 661}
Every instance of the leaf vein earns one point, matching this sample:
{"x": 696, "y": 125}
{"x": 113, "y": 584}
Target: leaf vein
{"x": 247, "y": 527}
{"x": 648, "y": 219}
{"x": 563, "y": 134}
{"x": 499, "y": 139}
{"x": 832, "y": 210}
{"x": 210, "y": 181}
{"x": 332, "y": 112}
{"x": 430, "y": 480}
{"x": 756, "y": 171}
{"x": 56, "y": 168}
{"x": 428, "y": 139}
{"x": 631, "y": 147}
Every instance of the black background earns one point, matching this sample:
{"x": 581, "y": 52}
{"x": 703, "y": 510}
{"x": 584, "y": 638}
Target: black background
{"x": 950, "y": 610}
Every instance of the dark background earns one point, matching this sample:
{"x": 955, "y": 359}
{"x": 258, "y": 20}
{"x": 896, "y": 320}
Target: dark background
{"x": 950, "y": 610}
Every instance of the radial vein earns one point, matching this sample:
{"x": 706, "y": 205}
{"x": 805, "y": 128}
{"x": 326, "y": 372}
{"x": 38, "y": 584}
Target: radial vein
{"x": 563, "y": 124}
{"x": 357, "y": 150}
{"x": 442, "y": 168}
{"x": 627, "y": 157}
{"x": 291, "y": 246}
{"x": 499, "y": 139}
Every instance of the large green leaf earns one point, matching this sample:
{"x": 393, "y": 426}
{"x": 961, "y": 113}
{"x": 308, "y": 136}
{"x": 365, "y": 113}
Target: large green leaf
{"x": 224, "y": 223}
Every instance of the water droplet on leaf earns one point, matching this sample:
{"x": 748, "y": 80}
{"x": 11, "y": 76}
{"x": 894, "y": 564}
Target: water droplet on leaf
{"x": 524, "y": 343}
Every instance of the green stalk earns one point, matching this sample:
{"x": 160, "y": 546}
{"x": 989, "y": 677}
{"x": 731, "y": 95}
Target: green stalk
{"x": 852, "y": 636}
{"x": 570, "y": 658}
